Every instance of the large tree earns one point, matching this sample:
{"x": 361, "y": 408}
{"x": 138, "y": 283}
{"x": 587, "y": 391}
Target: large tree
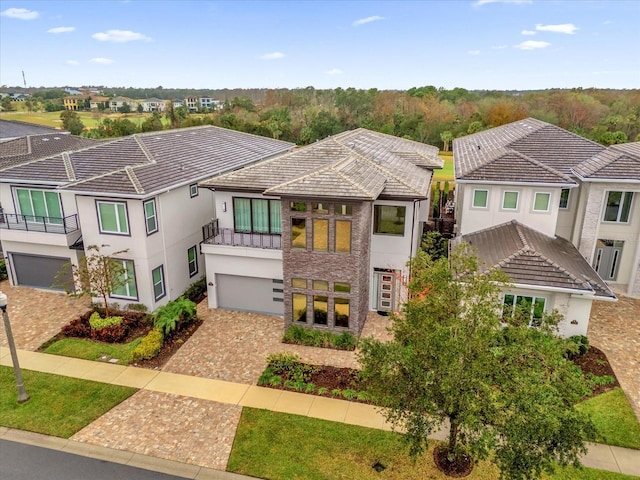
{"x": 503, "y": 388}
{"x": 71, "y": 122}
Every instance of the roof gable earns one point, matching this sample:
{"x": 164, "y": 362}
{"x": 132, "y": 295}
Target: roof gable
{"x": 617, "y": 162}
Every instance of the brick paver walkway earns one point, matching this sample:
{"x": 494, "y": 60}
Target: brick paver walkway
{"x": 615, "y": 329}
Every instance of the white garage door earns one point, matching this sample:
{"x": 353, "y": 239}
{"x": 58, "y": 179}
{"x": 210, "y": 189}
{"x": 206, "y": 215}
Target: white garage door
{"x": 250, "y": 294}
{"x": 38, "y": 271}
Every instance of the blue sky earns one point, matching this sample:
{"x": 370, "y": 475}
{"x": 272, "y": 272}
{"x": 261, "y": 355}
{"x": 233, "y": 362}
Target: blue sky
{"x": 474, "y": 44}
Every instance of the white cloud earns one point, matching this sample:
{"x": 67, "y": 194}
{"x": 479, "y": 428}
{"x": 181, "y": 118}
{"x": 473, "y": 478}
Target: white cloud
{"x": 272, "y": 56}
{"x": 568, "y": 28}
{"x": 500, "y": 47}
{"x": 334, "y": 71}
{"x": 120, "y": 36}
{"x": 20, "y": 13}
{"x": 74, "y": 63}
{"x": 474, "y": 52}
{"x": 362, "y": 21}
{"x": 479, "y": 3}
{"x": 61, "y": 30}
{"x": 528, "y": 32}
{"x": 532, "y": 45}
{"x": 101, "y": 61}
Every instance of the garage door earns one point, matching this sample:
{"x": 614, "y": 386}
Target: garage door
{"x": 37, "y": 271}
{"x": 251, "y": 294}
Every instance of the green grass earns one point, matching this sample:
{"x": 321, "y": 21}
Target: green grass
{"x": 89, "y": 119}
{"x": 447, "y": 171}
{"x": 279, "y": 446}
{"x": 59, "y": 406}
{"x": 89, "y": 350}
{"x": 614, "y": 419}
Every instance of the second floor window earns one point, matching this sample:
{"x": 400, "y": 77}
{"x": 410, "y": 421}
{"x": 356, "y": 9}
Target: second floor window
{"x": 112, "y": 217}
{"x": 39, "y": 205}
{"x": 480, "y": 198}
{"x": 150, "y": 217}
{"x": 541, "y": 202}
{"x": 257, "y": 215}
{"x": 192, "y": 259}
{"x": 618, "y": 207}
{"x": 510, "y": 200}
{"x": 564, "y": 198}
{"x": 388, "y": 219}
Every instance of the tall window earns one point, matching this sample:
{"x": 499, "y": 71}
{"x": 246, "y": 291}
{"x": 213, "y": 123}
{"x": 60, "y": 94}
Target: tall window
{"x": 343, "y": 236}
{"x": 40, "y": 205}
{"x": 157, "y": 275}
{"x": 112, "y": 217}
{"x": 298, "y": 233}
{"x": 388, "y": 219}
{"x": 192, "y": 259}
{"x": 299, "y": 306}
{"x": 564, "y": 198}
{"x": 320, "y": 234}
{"x": 541, "y": 202}
{"x": 128, "y": 289}
{"x": 257, "y": 215}
{"x": 480, "y": 198}
{"x": 150, "y": 217}
{"x": 618, "y": 207}
{"x": 341, "y": 312}
{"x": 510, "y": 200}
{"x": 320, "y": 309}
{"x": 523, "y": 307}
{"x": 193, "y": 190}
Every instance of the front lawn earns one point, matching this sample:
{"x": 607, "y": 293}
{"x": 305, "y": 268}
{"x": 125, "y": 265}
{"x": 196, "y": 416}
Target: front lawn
{"x": 280, "y": 446}
{"x": 446, "y": 173}
{"x": 90, "y": 350}
{"x": 614, "y": 418}
{"x": 59, "y": 406}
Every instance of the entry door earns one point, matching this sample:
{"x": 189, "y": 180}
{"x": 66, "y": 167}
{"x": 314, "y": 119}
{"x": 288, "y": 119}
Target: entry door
{"x": 607, "y": 258}
{"x": 386, "y": 284}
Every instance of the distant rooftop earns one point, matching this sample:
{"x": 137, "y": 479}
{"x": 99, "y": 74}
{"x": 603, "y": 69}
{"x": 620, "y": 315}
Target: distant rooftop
{"x": 13, "y": 129}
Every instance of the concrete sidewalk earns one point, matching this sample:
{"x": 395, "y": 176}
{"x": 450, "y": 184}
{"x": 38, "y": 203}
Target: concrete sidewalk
{"x": 599, "y": 456}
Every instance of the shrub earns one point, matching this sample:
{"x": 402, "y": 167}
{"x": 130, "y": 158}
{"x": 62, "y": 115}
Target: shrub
{"x": 323, "y": 391}
{"x": 195, "y": 292}
{"x": 3, "y": 270}
{"x": 336, "y": 392}
{"x": 137, "y": 307}
{"x": 98, "y": 323}
{"x": 110, "y": 333}
{"x": 363, "y": 396}
{"x": 282, "y": 362}
{"x": 289, "y": 384}
{"x": 298, "y": 335}
{"x": 349, "y": 394}
{"x": 174, "y": 315}
{"x": 275, "y": 381}
{"x": 149, "y": 347}
{"x": 78, "y": 328}
{"x": 310, "y": 387}
{"x": 576, "y": 346}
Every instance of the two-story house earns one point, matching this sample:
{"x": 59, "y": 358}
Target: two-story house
{"x": 544, "y": 205}
{"x": 136, "y": 194}
{"x": 75, "y": 102}
{"x": 153, "y": 105}
{"x": 321, "y": 235}
{"x": 116, "y": 104}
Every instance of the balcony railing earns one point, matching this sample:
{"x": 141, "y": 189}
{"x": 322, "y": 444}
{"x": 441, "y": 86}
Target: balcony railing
{"x": 36, "y": 223}
{"x": 214, "y": 235}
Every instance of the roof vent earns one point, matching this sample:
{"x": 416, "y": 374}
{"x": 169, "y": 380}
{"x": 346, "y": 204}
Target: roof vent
{"x": 56, "y": 138}
{"x": 45, "y": 139}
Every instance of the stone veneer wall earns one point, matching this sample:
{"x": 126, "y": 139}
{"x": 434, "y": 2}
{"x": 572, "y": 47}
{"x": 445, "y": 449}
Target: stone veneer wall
{"x": 352, "y": 268}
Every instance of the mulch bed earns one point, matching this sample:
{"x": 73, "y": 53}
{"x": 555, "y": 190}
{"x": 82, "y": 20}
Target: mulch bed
{"x": 171, "y": 345}
{"x": 458, "y": 469}
{"x": 596, "y": 362}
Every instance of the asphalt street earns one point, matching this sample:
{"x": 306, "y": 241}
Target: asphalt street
{"x": 19, "y": 461}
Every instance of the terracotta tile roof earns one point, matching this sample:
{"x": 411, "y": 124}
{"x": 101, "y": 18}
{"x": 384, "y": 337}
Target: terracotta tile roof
{"x": 529, "y": 257}
{"x": 528, "y": 150}
{"x": 617, "y": 162}
{"x": 358, "y": 164}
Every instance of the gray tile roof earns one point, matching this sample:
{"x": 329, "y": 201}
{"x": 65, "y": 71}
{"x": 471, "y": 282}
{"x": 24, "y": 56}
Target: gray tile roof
{"x": 358, "y": 164}
{"x": 617, "y": 162}
{"x": 15, "y": 129}
{"x": 528, "y": 150}
{"x": 143, "y": 164}
{"x": 529, "y": 257}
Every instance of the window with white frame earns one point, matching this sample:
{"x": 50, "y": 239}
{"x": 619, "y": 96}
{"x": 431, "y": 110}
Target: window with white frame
{"x": 39, "y": 205}
{"x": 112, "y": 217}
{"x": 541, "y": 202}
{"x": 193, "y": 190}
{"x": 564, "y": 198}
{"x": 527, "y": 308}
{"x": 192, "y": 259}
{"x": 157, "y": 276}
{"x": 150, "y": 216}
{"x": 510, "y": 200}
{"x": 480, "y": 198}
{"x": 126, "y": 287}
{"x": 618, "y": 207}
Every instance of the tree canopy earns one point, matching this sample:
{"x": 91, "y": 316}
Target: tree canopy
{"x": 504, "y": 388}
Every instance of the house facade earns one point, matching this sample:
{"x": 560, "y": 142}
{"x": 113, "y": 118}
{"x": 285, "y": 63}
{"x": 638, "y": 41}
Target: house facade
{"x": 153, "y": 105}
{"x": 135, "y": 195}
{"x": 321, "y": 235}
{"x": 564, "y": 187}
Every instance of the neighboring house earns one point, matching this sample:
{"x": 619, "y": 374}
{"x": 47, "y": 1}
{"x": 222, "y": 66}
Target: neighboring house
{"x": 97, "y": 100}
{"x": 192, "y": 103}
{"x": 138, "y": 193}
{"x": 562, "y": 186}
{"x": 321, "y": 235}
{"x": 153, "y": 105}
{"x": 115, "y": 104}
{"x": 75, "y": 102}
{"x": 206, "y": 102}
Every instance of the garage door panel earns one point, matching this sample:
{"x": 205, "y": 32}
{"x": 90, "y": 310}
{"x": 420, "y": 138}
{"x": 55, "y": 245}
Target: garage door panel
{"x": 39, "y": 271}
{"x": 252, "y": 294}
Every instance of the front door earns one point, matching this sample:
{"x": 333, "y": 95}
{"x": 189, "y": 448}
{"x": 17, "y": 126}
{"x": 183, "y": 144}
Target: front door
{"x": 386, "y": 290}
{"x": 607, "y": 258}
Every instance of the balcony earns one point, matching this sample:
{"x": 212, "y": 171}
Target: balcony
{"x": 213, "y": 235}
{"x": 35, "y": 223}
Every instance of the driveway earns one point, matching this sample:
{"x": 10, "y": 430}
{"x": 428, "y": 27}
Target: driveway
{"x": 615, "y": 329}
{"x": 37, "y": 315}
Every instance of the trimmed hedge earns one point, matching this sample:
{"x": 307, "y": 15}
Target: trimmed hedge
{"x": 298, "y": 335}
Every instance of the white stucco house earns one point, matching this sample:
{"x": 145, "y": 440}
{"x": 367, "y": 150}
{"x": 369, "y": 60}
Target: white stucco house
{"x": 557, "y": 212}
{"x": 138, "y": 194}
{"x": 321, "y": 235}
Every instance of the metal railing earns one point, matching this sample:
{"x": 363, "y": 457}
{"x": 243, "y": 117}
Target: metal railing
{"x": 228, "y": 236}
{"x": 37, "y": 223}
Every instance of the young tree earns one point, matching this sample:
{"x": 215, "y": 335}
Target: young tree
{"x": 505, "y": 388}
{"x": 96, "y": 275}
{"x": 71, "y": 122}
